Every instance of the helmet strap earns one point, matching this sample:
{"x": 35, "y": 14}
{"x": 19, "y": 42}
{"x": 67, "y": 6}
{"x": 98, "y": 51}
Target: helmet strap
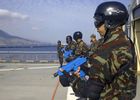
{"x": 107, "y": 34}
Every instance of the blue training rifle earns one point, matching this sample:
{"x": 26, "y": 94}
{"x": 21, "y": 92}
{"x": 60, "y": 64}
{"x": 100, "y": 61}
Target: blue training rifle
{"x": 66, "y": 53}
{"x": 72, "y": 66}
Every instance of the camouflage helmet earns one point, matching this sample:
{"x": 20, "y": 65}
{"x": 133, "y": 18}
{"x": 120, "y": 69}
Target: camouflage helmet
{"x": 112, "y": 14}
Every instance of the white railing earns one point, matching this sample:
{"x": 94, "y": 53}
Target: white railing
{"x": 133, "y": 33}
{"x": 137, "y": 52}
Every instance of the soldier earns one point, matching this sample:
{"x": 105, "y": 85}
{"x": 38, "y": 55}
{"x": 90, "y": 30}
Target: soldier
{"x": 112, "y": 75}
{"x": 59, "y": 52}
{"x": 94, "y": 43}
{"x": 81, "y": 47}
{"x": 64, "y": 80}
{"x": 71, "y": 45}
{"x": 81, "y": 50}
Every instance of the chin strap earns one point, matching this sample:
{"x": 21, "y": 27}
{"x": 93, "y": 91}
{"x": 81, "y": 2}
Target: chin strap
{"x": 107, "y": 35}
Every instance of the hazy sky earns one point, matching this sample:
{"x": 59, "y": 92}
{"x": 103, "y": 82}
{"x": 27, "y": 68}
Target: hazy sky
{"x": 49, "y": 20}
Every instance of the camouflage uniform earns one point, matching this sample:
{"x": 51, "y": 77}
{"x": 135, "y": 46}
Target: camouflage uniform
{"x": 100, "y": 41}
{"x": 71, "y": 46}
{"x": 113, "y": 54}
{"x": 81, "y": 48}
{"x": 60, "y": 54}
{"x": 94, "y": 46}
{"x": 94, "y": 43}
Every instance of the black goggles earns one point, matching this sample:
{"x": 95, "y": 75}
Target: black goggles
{"x": 98, "y": 24}
{"x": 99, "y": 20}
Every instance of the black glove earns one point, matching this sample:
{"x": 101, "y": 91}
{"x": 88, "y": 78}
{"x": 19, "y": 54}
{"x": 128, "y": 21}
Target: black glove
{"x": 92, "y": 89}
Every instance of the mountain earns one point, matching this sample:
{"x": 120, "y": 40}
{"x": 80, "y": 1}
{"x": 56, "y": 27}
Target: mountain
{"x": 9, "y": 40}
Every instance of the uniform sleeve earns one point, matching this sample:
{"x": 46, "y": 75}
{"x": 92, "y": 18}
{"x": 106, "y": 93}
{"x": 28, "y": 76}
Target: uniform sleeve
{"x": 119, "y": 57}
{"x": 105, "y": 67}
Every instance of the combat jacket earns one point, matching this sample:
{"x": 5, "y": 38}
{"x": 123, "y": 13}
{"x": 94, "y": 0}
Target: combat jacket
{"x": 59, "y": 51}
{"x": 106, "y": 62}
{"x": 94, "y": 46}
{"x": 71, "y": 46}
{"x": 81, "y": 48}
